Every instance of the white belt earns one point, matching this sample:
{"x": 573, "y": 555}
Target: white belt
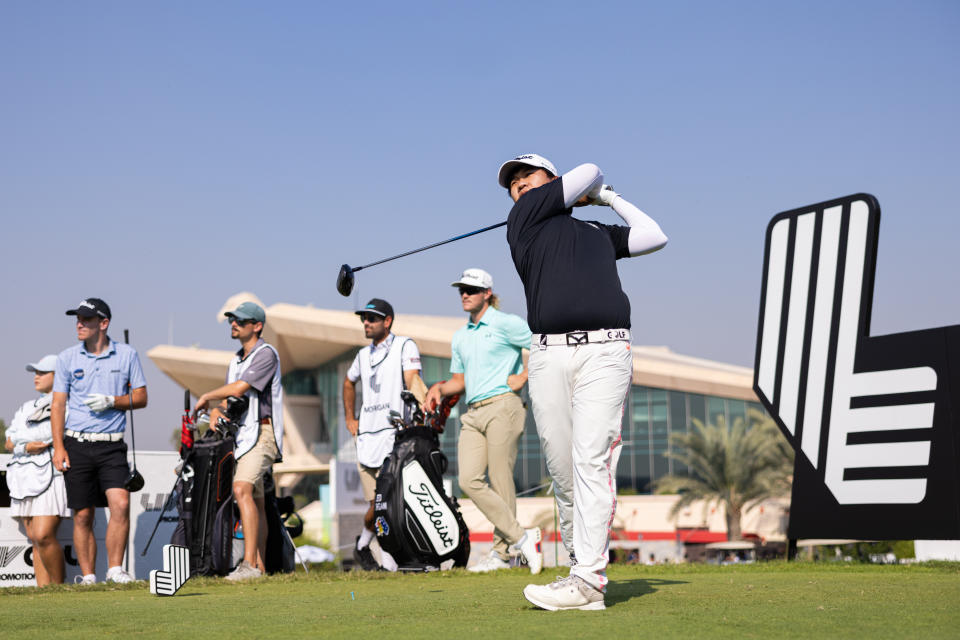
{"x": 578, "y": 338}
{"x": 83, "y": 436}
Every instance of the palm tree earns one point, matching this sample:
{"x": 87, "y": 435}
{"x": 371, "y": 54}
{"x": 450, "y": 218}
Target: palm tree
{"x": 737, "y": 466}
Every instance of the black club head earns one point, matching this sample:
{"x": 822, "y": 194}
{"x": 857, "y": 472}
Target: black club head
{"x": 345, "y": 280}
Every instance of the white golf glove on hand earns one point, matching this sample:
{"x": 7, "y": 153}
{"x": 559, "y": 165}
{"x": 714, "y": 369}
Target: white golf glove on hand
{"x": 98, "y": 402}
{"x": 604, "y": 196}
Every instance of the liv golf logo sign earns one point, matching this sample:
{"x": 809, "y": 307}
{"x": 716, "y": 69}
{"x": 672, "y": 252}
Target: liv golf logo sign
{"x": 873, "y": 420}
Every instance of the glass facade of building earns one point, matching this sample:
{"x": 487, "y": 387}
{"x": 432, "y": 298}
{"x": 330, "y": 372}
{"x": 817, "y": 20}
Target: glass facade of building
{"x": 649, "y": 418}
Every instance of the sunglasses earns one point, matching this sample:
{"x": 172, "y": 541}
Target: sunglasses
{"x": 470, "y": 291}
{"x": 242, "y": 323}
{"x": 372, "y": 318}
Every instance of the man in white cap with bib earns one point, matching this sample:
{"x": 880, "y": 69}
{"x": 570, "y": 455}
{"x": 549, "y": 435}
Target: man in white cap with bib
{"x": 255, "y": 373}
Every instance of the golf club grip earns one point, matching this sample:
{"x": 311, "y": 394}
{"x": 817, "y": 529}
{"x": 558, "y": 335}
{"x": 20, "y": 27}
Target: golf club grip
{"x": 186, "y": 400}
{"x": 431, "y": 246}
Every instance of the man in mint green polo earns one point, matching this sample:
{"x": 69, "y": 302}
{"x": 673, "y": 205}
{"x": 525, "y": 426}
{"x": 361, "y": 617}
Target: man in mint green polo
{"x": 487, "y": 367}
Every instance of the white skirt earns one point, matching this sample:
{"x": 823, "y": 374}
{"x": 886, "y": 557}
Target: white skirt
{"x": 52, "y": 502}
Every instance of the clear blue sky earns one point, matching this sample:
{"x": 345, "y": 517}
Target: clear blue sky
{"x": 164, "y": 156}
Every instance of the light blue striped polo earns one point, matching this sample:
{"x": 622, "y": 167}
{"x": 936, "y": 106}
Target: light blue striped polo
{"x": 80, "y": 373}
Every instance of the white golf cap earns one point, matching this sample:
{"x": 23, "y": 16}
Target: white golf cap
{"x": 47, "y": 363}
{"x": 474, "y": 278}
{"x": 529, "y": 159}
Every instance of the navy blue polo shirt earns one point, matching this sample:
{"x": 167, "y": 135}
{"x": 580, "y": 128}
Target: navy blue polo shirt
{"x": 80, "y": 373}
{"x": 568, "y": 266}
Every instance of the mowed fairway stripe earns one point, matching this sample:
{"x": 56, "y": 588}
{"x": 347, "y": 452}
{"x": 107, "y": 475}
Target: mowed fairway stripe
{"x": 801, "y": 600}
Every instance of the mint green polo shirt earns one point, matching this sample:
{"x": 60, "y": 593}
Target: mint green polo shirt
{"x": 489, "y": 351}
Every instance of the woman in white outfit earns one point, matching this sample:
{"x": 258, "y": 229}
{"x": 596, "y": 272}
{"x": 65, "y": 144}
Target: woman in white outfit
{"x": 38, "y": 497}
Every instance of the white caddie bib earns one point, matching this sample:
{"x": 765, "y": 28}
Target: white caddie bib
{"x": 382, "y": 383}
{"x": 29, "y": 475}
{"x": 250, "y": 421}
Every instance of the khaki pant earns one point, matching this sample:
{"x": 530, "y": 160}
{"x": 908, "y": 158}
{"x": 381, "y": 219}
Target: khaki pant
{"x": 488, "y": 448}
{"x": 368, "y": 481}
{"x": 254, "y": 463}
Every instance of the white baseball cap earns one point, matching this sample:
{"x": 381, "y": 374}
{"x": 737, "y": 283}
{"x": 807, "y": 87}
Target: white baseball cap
{"x": 529, "y": 159}
{"x": 47, "y": 364}
{"x": 474, "y": 278}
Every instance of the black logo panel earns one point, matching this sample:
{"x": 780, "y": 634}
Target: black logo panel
{"x": 873, "y": 420}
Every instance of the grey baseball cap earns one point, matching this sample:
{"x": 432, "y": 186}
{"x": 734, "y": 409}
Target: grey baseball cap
{"x": 248, "y": 311}
{"x": 46, "y": 364}
{"x": 528, "y": 159}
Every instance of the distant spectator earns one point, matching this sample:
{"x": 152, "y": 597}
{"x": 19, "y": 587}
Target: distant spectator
{"x": 38, "y": 497}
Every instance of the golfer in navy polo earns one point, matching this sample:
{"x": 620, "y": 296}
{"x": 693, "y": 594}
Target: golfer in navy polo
{"x": 99, "y": 379}
{"x": 580, "y": 366}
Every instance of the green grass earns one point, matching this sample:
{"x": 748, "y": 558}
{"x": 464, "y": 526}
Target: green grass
{"x": 769, "y": 600}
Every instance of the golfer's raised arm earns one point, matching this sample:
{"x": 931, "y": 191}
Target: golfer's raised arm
{"x": 580, "y": 181}
{"x": 645, "y": 234}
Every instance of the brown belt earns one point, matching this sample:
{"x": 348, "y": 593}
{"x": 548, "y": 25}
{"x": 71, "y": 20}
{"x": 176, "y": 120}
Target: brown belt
{"x": 491, "y": 400}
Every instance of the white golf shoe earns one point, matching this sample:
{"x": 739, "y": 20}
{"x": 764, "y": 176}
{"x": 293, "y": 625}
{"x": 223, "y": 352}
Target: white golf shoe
{"x": 84, "y": 580}
{"x": 530, "y": 549}
{"x": 244, "y": 571}
{"x": 571, "y": 592}
{"x": 119, "y": 576}
{"x": 493, "y": 562}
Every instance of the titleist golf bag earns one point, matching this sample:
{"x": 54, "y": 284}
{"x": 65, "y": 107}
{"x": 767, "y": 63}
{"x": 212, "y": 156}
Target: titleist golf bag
{"x": 415, "y": 520}
{"x": 205, "y": 497}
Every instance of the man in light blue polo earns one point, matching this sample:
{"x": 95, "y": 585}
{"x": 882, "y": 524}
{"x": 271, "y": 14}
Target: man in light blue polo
{"x": 99, "y": 379}
{"x": 487, "y": 364}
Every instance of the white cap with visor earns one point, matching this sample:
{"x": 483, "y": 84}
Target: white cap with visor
{"x": 526, "y": 159}
{"x": 46, "y": 364}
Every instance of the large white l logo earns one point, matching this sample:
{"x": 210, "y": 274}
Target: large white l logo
{"x": 868, "y": 432}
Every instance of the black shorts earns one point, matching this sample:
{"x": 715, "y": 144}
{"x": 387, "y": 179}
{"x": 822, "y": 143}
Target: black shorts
{"x": 94, "y": 468}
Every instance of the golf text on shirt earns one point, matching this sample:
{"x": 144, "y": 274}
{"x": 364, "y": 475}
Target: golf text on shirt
{"x": 80, "y": 373}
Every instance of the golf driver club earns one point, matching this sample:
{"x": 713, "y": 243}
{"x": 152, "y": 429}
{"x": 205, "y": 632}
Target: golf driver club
{"x": 134, "y": 481}
{"x": 345, "y": 277}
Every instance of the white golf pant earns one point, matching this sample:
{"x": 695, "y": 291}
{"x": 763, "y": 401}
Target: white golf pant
{"x": 578, "y": 394}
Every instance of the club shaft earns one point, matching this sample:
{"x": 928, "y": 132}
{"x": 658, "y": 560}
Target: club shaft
{"x": 431, "y": 246}
{"x": 133, "y": 441}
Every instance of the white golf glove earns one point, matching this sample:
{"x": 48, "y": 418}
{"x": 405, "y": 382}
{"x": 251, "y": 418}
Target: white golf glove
{"x": 603, "y": 196}
{"x": 98, "y": 402}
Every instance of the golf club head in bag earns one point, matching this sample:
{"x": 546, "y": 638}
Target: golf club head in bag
{"x": 345, "y": 280}
{"x": 236, "y": 407}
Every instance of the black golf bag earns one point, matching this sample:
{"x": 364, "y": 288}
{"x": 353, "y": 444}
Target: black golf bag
{"x": 205, "y": 503}
{"x": 207, "y": 516}
{"x": 416, "y": 522}
{"x": 281, "y": 553}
